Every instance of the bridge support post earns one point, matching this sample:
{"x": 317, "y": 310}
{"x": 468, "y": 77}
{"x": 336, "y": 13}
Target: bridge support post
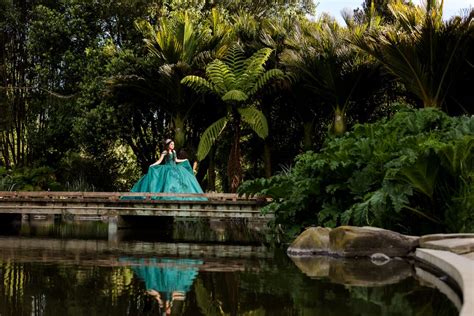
{"x": 113, "y": 228}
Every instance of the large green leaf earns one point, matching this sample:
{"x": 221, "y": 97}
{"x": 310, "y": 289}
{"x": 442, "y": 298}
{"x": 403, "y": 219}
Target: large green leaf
{"x": 210, "y": 136}
{"x": 421, "y": 175}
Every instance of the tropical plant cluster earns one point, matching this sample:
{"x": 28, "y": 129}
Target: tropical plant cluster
{"x": 412, "y": 173}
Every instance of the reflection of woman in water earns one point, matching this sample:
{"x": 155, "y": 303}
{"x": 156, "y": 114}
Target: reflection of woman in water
{"x": 166, "y": 280}
{"x": 164, "y": 304}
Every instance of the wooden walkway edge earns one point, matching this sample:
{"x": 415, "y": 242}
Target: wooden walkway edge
{"x": 212, "y": 205}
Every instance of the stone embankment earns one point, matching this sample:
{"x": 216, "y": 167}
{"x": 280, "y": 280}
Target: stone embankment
{"x": 318, "y": 252}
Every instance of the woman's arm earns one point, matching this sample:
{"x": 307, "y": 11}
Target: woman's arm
{"x": 163, "y": 154}
{"x": 178, "y": 160}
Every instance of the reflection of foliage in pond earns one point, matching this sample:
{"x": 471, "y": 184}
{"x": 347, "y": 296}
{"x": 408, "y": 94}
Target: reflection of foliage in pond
{"x": 402, "y": 300}
{"x": 278, "y": 291}
{"x": 66, "y": 229}
{"x": 217, "y": 231}
{"x": 321, "y": 297}
{"x": 413, "y": 173}
{"x": 63, "y": 290}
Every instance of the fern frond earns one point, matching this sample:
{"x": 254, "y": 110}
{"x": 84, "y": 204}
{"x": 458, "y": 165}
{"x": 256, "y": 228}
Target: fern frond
{"x": 220, "y": 75}
{"x": 235, "y": 59}
{"x": 210, "y": 136}
{"x": 235, "y": 95}
{"x": 198, "y": 84}
{"x": 256, "y": 120}
{"x": 266, "y": 77}
{"x": 254, "y": 67}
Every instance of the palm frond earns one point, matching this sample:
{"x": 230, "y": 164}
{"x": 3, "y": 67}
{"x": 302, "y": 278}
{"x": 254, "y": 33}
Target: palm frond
{"x": 210, "y": 136}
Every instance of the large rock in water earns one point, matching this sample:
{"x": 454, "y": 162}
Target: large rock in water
{"x": 350, "y": 241}
{"x": 314, "y": 240}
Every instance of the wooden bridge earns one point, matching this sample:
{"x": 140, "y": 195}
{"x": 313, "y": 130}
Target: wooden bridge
{"x": 211, "y": 205}
{"x": 121, "y": 208}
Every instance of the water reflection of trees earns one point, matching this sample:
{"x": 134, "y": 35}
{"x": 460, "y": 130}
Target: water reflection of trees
{"x": 50, "y": 289}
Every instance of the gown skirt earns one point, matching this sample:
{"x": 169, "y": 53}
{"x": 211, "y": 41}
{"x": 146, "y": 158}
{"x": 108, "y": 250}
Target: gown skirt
{"x": 170, "y": 177}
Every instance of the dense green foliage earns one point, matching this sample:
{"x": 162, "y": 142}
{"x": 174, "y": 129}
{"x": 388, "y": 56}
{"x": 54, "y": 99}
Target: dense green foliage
{"x": 413, "y": 173}
{"x": 91, "y": 89}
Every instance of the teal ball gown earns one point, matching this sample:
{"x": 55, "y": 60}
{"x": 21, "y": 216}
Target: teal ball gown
{"x": 170, "y": 177}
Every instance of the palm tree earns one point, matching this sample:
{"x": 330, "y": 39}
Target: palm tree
{"x": 328, "y": 69}
{"x": 423, "y": 52}
{"x": 235, "y": 80}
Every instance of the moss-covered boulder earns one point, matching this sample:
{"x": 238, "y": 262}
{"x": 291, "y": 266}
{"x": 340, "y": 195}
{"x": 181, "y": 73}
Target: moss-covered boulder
{"x": 313, "y": 241}
{"x": 350, "y": 241}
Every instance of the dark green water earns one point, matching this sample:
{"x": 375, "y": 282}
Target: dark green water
{"x": 198, "y": 268}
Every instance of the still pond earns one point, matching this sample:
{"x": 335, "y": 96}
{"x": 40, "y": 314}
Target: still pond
{"x": 192, "y": 268}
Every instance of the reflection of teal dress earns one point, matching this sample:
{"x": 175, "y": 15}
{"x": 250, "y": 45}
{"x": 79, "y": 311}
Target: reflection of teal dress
{"x": 166, "y": 275}
{"x": 170, "y": 177}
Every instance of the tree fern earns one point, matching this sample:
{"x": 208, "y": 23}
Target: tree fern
{"x": 235, "y": 80}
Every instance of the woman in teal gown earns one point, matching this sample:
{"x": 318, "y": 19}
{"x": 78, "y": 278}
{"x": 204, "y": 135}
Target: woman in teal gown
{"x": 169, "y": 175}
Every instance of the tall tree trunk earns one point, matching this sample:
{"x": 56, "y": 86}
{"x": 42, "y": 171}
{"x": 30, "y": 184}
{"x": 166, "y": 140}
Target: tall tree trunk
{"x": 234, "y": 167}
{"x": 267, "y": 159}
{"x": 308, "y": 135}
{"x": 179, "y": 130}
{"x": 267, "y": 152}
{"x": 339, "y": 123}
{"x": 211, "y": 171}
